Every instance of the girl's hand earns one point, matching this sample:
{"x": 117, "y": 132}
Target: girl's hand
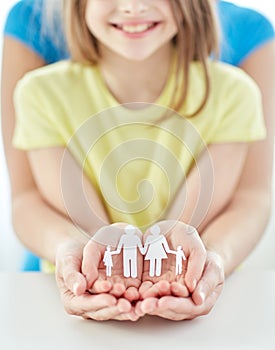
{"x": 73, "y": 288}
{"x": 200, "y": 303}
{"x": 176, "y": 234}
{"x": 124, "y": 290}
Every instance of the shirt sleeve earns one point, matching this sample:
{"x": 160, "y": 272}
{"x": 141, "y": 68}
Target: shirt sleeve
{"x": 24, "y": 23}
{"x": 240, "y": 111}
{"x": 243, "y": 30}
{"x": 36, "y": 122}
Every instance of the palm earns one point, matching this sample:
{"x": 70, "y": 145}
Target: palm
{"x": 119, "y": 282}
{"x": 94, "y": 265}
{"x": 168, "y": 277}
{"x": 168, "y": 270}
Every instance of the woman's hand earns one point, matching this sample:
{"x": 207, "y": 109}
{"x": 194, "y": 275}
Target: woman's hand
{"x": 201, "y": 301}
{"x": 176, "y": 234}
{"x": 73, "y": 288}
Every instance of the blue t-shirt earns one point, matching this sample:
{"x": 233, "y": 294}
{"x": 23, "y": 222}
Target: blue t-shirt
{"x": 24, "y": 23}
{"x": 243, "y": 31}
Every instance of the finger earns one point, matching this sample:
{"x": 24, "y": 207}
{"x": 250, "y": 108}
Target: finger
{"x": 87, "y": 303}
{"x": 112, "y": 312}
{"x": 90, "y": 263}
{"x": 118, "y": 289}
{"x": 147, "y": 306}
{"x": 179, "y": 290}
{"x": 101, "y": 286}
{"x": 207, "y": 285}
{"x": 138, "y": 309}
{"x": 163, "y": 310}
{"x": 158, "y": 289}
{"x": 176, "y": 308}
{"x": 185, "y": 308}
{"x": 132, "y": 294}
{"x": 72, "y": 278}
{"x": 195, "y": 267}
{"x": 144, "y": 287}
{"x": 130, "y": 316}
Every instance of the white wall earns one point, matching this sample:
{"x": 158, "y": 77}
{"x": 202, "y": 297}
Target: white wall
{"x": 10, "y": 248}
{"x": 264, "y": 6}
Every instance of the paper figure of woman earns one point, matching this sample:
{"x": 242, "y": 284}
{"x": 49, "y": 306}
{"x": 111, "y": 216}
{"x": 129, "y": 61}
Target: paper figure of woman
{"x": 157, "y": 248}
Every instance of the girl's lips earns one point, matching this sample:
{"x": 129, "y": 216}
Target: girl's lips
{"x": 135, "y": 28}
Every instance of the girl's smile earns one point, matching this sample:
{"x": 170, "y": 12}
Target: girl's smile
{"x": 133, "y": 29}
{"x": 136, "y": 29}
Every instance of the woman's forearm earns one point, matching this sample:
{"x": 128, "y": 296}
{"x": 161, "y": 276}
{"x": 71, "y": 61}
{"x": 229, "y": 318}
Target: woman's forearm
{"x": 236, "y": 231}
{"x": 204, "y": 194}
{"x": 40, "y": 228}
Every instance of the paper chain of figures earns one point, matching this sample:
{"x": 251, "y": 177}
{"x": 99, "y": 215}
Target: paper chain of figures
{"x": 155, "y": 249}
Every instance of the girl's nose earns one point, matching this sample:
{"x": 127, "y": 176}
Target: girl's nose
{"x": 134, "y": 7}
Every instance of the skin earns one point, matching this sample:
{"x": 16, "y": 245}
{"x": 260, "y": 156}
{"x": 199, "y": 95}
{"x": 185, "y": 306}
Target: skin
{"x": 49, "y": 183}
{"x": 53, "y": 236}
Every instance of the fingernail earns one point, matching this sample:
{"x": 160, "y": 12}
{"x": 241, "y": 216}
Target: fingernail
{"x": 194, "y": 284}
{"x": 75, "y": 287}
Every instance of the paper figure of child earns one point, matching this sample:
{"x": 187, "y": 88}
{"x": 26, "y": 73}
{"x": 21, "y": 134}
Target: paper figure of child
{"x": 179, "y": 257}
{"x": 108, "y": 261}
{"x": 129, "y": 242}
{"x": 157, "y": 248}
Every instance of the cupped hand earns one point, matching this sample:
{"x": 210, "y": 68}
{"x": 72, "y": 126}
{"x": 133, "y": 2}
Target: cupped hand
{"x": 125, "y": 290}
{"x": 73, "y": 288}
{"x": 202, "y": 300}
{"x": 176, "y": 234}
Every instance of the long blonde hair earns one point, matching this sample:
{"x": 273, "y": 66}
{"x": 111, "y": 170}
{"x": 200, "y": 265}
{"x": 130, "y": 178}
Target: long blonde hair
{"x": 196, "y": 39}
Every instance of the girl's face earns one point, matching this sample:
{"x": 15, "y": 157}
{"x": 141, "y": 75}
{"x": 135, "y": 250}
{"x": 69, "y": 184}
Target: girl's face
{"x": 134, "y": 29}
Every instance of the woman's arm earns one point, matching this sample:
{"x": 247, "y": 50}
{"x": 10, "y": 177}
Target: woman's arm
{"x": 17, "y": 60}
{"x": 38, "y": 225}
{"x": 238, "y": 229}
{"x": 233, "y": 233}
{"x": 210, "y": 185}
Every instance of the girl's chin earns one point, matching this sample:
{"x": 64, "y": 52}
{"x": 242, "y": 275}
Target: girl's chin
{"x": 136, "y": 56}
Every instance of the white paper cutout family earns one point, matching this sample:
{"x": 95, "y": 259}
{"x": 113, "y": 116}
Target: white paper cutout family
{"x": 155, "y": 249}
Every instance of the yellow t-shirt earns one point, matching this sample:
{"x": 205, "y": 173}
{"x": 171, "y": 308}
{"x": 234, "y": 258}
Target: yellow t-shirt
{"x": 135, "y": 159}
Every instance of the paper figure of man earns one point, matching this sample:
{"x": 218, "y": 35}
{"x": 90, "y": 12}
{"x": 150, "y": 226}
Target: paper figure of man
{"x": 129, "y": 242}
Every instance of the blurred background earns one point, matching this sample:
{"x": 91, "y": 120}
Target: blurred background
{"x": 10, "y": 248}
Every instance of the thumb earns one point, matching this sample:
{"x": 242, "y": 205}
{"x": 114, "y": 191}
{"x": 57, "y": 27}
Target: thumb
{"x": 69, "y": 271}
{"x": 92, "y": 256}
{"x": 195, "y": 268}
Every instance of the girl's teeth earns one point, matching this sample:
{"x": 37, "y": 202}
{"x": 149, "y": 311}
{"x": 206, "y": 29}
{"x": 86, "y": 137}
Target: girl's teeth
{"x": 136, "y": 28}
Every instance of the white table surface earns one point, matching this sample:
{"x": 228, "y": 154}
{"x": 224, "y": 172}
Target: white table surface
{"x": 32, "y": 317}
